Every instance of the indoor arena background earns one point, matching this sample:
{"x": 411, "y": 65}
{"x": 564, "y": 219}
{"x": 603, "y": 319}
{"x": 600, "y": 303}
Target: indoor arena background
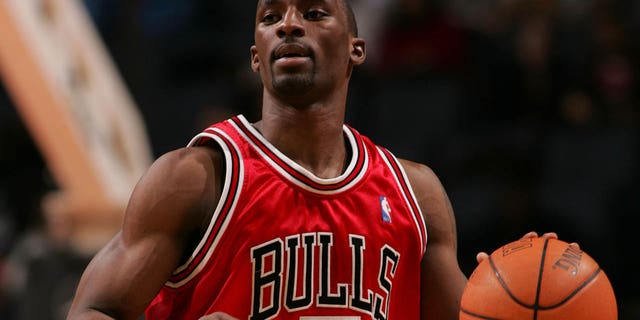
{"x": 528, "y": 110}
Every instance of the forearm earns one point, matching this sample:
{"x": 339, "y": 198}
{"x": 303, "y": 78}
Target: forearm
{"x": 108, "y": 289}
{"x": 442, "y": 284}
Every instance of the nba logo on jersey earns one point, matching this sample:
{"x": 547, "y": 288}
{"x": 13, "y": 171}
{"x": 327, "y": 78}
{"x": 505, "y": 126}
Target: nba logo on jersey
{"x": 386, "y": 209}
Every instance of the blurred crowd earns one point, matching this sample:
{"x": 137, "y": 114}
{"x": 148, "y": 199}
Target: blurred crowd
{"x": 528, "y": 110}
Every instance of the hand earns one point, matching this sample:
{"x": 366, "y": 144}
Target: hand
{"x": 218, "y": 316}
{"x": 481, "y": 256}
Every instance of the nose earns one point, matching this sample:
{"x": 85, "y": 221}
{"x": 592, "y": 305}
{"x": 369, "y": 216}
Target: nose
{"x": 291, "y": 24}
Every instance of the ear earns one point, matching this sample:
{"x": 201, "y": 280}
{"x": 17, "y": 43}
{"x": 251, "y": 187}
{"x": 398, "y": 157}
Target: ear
{"x": 358, "y": 51}
{"x": 255, "y": 60}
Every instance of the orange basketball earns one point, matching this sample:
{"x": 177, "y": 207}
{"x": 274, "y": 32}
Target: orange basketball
{"x": 538, "y": 279}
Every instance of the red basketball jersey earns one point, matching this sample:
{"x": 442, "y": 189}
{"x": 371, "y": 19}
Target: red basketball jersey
{"x": 285, "y": 244}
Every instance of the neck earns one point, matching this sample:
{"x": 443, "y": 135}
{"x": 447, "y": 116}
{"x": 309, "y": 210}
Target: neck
{"x": 310, "y": 135}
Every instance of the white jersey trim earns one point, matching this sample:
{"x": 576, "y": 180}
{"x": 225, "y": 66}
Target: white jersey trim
{"x": 321, "y": 181}
{"x": 218, "y": 211}
{"x": 418, "y": 218}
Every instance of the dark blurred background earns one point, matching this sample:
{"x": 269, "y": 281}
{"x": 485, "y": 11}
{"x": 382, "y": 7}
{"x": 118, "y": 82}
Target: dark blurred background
{"x": 526, "y": 109}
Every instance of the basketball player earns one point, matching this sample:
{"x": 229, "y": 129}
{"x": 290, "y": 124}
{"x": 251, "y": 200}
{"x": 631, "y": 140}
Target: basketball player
{"x": 296, "y": 216}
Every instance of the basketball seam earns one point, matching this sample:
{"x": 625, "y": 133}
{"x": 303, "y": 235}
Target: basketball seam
{"x": 584, "y": 284}
{"x": 505, "y": 286}
{"x": 477, "y": 315}
{"x": 536, "y": 304}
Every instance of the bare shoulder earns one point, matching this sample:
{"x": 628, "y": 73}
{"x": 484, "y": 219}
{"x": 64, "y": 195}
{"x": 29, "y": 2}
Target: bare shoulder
{"x": 433, "y": 201}
{"x": 177, "y": 191}
{"x": 185, "y": 166}
{"x": 423, "y": 180}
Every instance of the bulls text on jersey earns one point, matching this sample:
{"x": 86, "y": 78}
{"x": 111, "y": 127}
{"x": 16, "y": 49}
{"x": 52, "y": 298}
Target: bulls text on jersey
{"x": 270, "y": 277}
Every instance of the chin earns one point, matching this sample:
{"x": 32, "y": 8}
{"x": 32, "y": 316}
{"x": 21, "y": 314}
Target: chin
{"x": 293, "y": 85}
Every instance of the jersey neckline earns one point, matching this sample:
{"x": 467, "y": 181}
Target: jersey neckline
{"x": 297, "y": 174}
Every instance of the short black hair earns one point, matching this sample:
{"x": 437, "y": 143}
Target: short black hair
{"x": 351, "y": 17}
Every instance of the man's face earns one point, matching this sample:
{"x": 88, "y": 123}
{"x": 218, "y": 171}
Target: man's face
{"x": 302, "y": 44}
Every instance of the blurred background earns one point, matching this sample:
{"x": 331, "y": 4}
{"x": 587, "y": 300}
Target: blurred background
{"x": 526, "y": 109}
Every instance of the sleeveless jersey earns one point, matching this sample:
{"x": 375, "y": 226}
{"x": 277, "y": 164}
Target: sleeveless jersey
{"x": 285, "y": 244}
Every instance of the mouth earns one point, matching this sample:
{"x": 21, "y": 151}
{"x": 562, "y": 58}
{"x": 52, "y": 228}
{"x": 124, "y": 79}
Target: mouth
{"x": 291, "y": 50}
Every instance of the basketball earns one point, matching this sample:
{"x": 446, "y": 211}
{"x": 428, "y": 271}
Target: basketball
{"x": 538, "y": 279}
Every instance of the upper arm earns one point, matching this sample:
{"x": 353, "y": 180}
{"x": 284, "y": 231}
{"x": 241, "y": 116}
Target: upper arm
{"x": 168, "y": 206}
{"x": 442, "y": 280}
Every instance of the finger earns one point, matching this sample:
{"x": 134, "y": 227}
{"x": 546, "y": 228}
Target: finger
{"x": 550, "y": 235}
{"x": 482, "y": 256}
{"x": 530, "y": 235}
{"x": 533, "y": 234}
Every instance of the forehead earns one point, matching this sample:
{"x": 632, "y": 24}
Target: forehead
{"x": 266, "y": 3}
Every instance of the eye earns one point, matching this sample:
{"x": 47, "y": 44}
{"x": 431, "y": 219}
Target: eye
{"x": 270, "y": 18}
{"x": 314, "y": 15}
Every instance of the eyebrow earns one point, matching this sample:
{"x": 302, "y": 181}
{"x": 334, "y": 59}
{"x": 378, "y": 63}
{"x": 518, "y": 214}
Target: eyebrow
{"x": 264, "y": 3}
